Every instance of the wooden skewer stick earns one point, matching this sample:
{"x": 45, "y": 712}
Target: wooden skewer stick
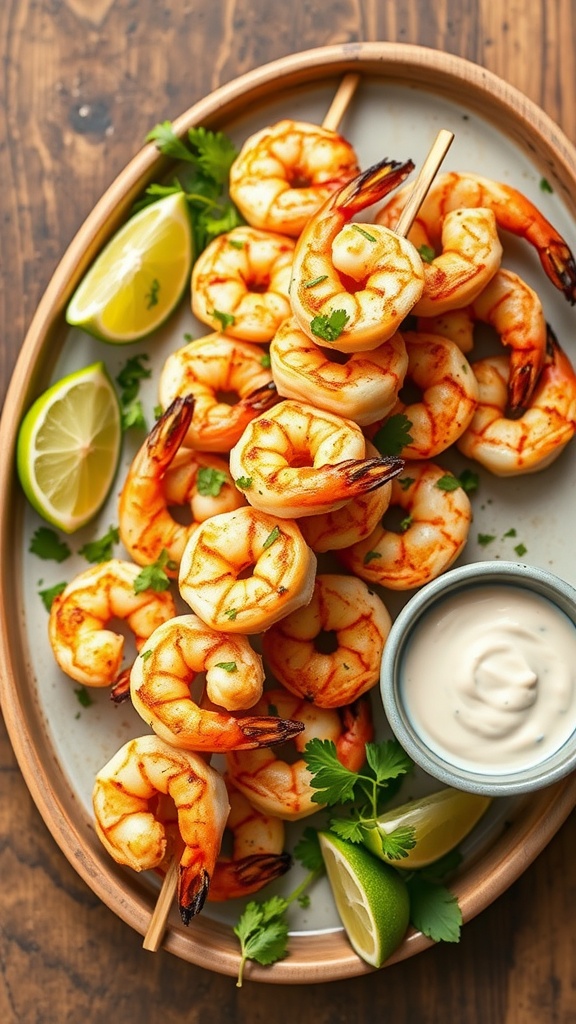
{"x": 157, "y": 924}
{"x": 423, "y": 181}
{"x": 341, "y": 101}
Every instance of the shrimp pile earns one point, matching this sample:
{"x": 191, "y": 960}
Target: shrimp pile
{"x": 313, "y": 420}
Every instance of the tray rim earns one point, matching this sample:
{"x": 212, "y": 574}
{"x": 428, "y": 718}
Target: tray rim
{"x": 130, "y": 900}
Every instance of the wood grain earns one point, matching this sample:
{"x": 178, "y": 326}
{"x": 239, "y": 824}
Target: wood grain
{"x": 82, "y": 82}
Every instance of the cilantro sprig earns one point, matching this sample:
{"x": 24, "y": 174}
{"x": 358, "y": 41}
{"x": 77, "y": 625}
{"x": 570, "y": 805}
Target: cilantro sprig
{"x": 154, "y": 576}
{"x": 263, "y": 926}
{"x": 205, "y": 158}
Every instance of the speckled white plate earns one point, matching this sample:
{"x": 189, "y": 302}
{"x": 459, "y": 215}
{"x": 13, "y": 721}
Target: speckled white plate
{"x": 406, "y": 95}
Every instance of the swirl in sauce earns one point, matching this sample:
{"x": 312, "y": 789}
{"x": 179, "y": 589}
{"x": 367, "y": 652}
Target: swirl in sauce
{"x": 488, "y": 678}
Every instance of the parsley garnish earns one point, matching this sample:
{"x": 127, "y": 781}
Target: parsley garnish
{"x": 485, "y": 538}
{"x": 153, "y": 577}
{"x": 545, "y": 185}
{"x": 434, "y": 910}
{"x": 370, "y": 556}
{"x": 272, "y": 536}
{"x": 129, "y": 379}
{"x": 448, "y": 482}
{"x": 510, "y": 533}
{"x": 244, "y": 483}
{"x": 469, "y": 481}
{"x": 405, "y": 523}
{"x": 83, "y": 696}
{"x": 228, "y": 666}
{"x": 205, "y": 158}
{"x": 393, "y": 435}
{"x": 152, "y": 295}
{"x": 265, "y": 361}
{"x": 231, "y": 613}
{"x": 50, "y": 593}
{"x": 335, "y": 784}
{"x": 101, "y": 550}
{"x": 47, "y": 544}
{"x": 405, "y": 482}
{"x": 316, "y": 280}
{"x": 520, "y": 550}
{"x": 263, "y": 927}
{"x": 362, "y": 231}
{"x": 210, "y": 481}
{"x": 426, "y": 253}
{"x": 225, "y": 319}
{"x": 329, "y": 328}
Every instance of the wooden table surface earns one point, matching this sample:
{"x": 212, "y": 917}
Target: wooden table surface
{"x": 82, "y": 81}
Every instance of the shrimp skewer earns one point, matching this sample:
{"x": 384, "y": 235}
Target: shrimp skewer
{"x": 301, "y": 461}
{"x": 371, "y": 275}
{"x": 132, "y": 834}
{"x": 161, "y": 680}
{"x": 513, "y": 212}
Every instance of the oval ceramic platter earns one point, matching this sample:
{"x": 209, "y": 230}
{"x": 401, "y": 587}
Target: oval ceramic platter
{"x": 406, "y": 94}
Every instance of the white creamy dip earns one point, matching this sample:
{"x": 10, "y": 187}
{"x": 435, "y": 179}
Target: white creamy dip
{"x": 489, "y": 678}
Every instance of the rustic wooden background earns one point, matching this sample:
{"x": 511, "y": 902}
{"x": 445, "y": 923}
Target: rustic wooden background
{"x": 82, "y": 82}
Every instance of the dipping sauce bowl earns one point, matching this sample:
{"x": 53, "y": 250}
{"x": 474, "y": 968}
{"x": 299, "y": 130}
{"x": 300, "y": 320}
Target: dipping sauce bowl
{"x": 478, "y": 678}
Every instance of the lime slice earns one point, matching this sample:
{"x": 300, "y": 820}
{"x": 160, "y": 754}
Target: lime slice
{"x": 371, "y": 898}
{"x": 139, "y": 277}
{"x": 68, "y": 447}
{"x": 439, "y": 822}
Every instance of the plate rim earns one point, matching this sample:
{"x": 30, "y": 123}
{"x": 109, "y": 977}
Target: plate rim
{"x": 126, "y": 896}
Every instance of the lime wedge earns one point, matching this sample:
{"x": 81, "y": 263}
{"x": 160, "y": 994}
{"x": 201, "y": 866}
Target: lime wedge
{"x": 139, "y": 277}
{"x": 371, "y": 898}
{"x": 68, "y": 447}
{"x": 437, "y": 823}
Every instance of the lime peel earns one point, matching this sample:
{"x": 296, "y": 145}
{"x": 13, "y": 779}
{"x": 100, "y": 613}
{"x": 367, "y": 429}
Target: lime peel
{"x": 138, "y": 279}
{"x": 68, "y": 447}
{"x": 371, "y": 898}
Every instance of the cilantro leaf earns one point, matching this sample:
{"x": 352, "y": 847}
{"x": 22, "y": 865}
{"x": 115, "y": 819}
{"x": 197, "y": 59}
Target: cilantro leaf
{"x": 153, "y": 577}
{"x": 434, "y": 910}
{"x": 485, "y": 538}
{"x": 168, "y": 142}
{"x": 83, "y": 696}
{"x": 228, "y": 666}
{"x": 272, "y": 536}
{"x": 225, "y": 319}
{"x": 329, "y": 328}
{"x": 545, "y": 185}
{"x": 448, "y": 482}
{"x": 520, "y": 550}
{"x": 47, "y": 544}
{"x": 210, "y": 481}
{"x": 244, "y": 483}
{"x": 334, "y": 782}
{"x": 469, "y": 481}
{"x": 307, "y": 850}
{"x": 396, "y": 844}
{"x": 388, "y": 760}
{"x": 214, "y": 151}
{"x": 352, "y": 829}
{"x": 101, "y": 550}
{"x": 393, "y": 435}
{"x": 130, "y": 377}
{"x": 133, "y": 416}
{"x": 50, "y": 593}
{"x": 263, "y": 933}
{"x": 426, "y": 253}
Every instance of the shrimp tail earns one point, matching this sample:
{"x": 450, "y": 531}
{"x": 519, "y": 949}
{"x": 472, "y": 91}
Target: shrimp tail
{"x": 262, "y": 398}
{"x": 120, "y": 691}
{"x": 247, "y": 875}
{"x": 193, "y": 889}
{"x": 169, "y": 431}
{"x": 560, "y": 267}
{"x": 263, "y": 731}
{"x": 372, "y": 185}
{"x": 369, "y": 474}
{"x": 357, "y": 726}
